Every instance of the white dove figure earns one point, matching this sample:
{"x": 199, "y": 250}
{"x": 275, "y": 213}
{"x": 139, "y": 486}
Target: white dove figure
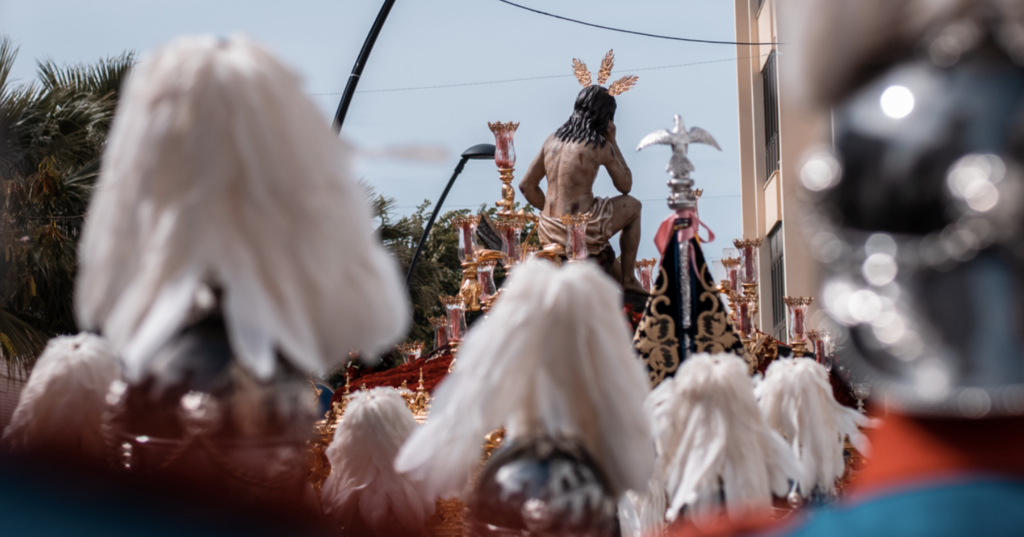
{"x": 679, "y": 166}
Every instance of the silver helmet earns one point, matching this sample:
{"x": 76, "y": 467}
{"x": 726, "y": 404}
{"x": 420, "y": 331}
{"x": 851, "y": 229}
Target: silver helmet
{"x": 918, "y": 213}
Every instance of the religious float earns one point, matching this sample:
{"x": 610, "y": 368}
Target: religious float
{"x": 674, "y": 306}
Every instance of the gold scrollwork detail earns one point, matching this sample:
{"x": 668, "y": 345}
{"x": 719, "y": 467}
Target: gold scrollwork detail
{"x": 655, "y": 337}
{"x": 713, "y": 328}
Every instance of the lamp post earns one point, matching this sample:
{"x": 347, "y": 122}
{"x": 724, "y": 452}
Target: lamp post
{"x": 357, "y": 69}
{"x": 477, "y": 152}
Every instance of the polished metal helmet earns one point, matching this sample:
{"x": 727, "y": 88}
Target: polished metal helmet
{"x": 917, "y": 223}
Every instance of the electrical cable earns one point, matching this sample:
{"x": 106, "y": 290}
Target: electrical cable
{"x": 478, "y": 204}
{"x": 686, "y": 39}
{"x": 536, "y": 77}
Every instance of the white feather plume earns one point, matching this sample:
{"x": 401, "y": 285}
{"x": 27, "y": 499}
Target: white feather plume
{"x": 221, "y": 172}
{"x": 835, "y": 42}
{"x": 712, "y": 440}
{"x": 796, "y": 399}
{"x": 363, "y": 479}
{"x": 642, "y": 514}
{"x": 553, "y": 356}
{"x": 62, "y": 404}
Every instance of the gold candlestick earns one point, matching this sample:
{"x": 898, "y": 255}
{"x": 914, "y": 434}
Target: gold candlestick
{"x": 505, "y": 159}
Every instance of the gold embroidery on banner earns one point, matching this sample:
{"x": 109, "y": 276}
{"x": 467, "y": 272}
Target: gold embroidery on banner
{"x": 655, "y": 337}
{"x": 713, "y": 334}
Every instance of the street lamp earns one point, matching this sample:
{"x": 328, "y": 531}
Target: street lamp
{"x": 477, "y": 152}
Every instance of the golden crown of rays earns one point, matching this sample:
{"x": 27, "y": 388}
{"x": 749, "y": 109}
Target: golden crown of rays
{"x": 618, "y": 87}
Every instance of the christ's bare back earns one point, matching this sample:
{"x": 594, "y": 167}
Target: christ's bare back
{"x": 571, "y": 170}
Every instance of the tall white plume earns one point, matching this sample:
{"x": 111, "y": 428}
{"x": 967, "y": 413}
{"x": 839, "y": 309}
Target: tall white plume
{"x": 553, "y": 356}
{"x": 363, "y": 479}
{"x": 712, "y": 440}
{"x": 62, "y": 405}
{"x": 220, "y": 172}
{"x": 796, "y": 399}
{"x": 642, "y": 514}
{"x": 834, "y": 43}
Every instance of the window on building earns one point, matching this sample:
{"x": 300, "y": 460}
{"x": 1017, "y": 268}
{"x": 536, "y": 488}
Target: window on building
{"x": 778, "y": 283}
{"x": 771, "y": 115}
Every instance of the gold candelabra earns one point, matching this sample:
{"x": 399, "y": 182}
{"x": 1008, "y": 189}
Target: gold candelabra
{"x": 797, "y": 323}
{"x": 418, "y": 401}
{"x": 505, "y": 159}
{"x": 748, "y": 259}
{"x": 470, "y": 288}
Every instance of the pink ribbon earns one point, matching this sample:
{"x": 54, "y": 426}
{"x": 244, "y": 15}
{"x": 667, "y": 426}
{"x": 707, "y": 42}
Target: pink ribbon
{"x": 663, "y": 235}
{"x": 684, "y": 234}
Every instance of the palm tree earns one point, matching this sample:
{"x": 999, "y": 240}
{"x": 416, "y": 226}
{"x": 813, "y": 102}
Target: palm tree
{"x": 438, "y": 271}
{"x": 52, "y": 133}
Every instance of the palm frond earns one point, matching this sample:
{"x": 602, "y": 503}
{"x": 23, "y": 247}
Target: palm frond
{"x": 20, "y": 342}
{"x": 107, "y": 76}
{"x": 8, "y": 54}
{"x": 52, "y": 134}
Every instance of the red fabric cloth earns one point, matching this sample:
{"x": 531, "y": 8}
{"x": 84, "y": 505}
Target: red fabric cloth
{"x": 433, "y": 372}
{"x": 907, "y": 452}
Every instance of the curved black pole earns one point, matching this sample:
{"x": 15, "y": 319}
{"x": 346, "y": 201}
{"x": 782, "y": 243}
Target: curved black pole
{"x": 477, "y": 152}
{"x": 433, "y": 216}
{"x": 357, "y": 69}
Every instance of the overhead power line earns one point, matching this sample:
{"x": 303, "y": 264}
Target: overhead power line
{"x": 644, "y": 34}
{"x": 479, "y": 204}
{"x": 536, "y": 77}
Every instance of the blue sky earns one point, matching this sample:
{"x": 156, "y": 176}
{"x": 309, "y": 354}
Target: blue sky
{"x": 444, "y": 42}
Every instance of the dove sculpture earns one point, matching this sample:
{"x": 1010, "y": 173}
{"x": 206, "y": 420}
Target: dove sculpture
{"x": 679, "y": 166}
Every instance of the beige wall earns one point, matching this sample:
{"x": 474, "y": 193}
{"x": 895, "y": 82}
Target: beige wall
{"x": 766, "y": 200}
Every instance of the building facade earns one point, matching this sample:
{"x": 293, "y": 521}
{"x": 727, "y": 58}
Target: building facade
{"x": 774, "y": 135}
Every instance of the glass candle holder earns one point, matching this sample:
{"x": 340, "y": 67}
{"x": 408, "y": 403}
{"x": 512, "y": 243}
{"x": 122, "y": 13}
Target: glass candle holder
{"x": 745, "y": 316}
{"x": 466, "y": 228}
{"x": 718, "y": 270}
{"x": 732, "y": 271}
{"x": 511, "y": 230}
{"x": 797, "y": 317}
{"x": 576, "y": 235}
{"x": 440, "y": 326}
{"x": 485, "y": 277}
{"x": 456, "y": 309}
{"x": 822, "y": 341}
{"x": 504, "y": 143}
{"x": 411, "y": 351}
{"x": 748, "y": 259}
{"x": 645, "y": 273}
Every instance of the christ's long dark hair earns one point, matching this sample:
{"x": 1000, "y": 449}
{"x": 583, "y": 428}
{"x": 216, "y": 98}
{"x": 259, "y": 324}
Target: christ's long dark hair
{"x": 589, "y": 122}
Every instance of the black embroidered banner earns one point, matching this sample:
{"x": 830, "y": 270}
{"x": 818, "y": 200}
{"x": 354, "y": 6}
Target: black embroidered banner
{"x": 661, "y": 338}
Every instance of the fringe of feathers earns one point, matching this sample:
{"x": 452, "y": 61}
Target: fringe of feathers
{"x": 713, "y": 442}
{"x": 796, "y": 399}
{"x": 363, "y": 482}
{"x": 221, "y": 173}
{"x": 553, "y": 356}
{"x": 61, "y": 407}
